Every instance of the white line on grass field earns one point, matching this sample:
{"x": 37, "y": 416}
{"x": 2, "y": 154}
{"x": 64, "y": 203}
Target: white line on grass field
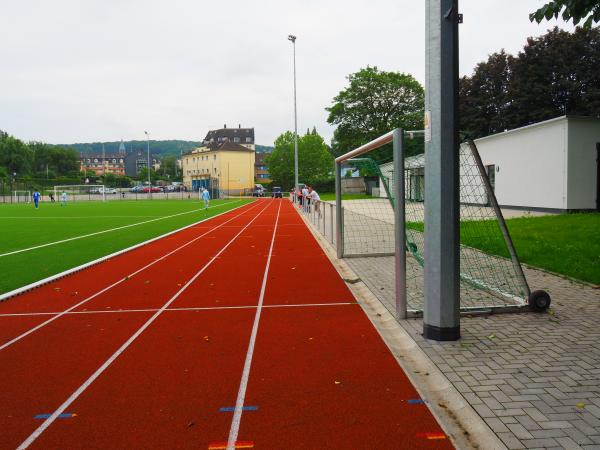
{"x": 191, "y": 308}
{"x": 74, "y": 217}
{"x": 109, "y": 230}
{"x": 116, "y": 283}
{"x": 27, "y": 442}
{"x": 239, "y": 403}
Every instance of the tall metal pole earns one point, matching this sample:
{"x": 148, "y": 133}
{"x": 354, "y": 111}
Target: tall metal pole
{"x": 441, "y": 312}
{"x": 148, "y": 147}
{"x": 293, "y": 39}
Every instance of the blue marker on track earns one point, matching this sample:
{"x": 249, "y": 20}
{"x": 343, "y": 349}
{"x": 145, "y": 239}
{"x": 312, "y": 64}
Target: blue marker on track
{"x": 232, "y": 408}
{"x": 60, "y": 416}
{"x": 415, "y": 401}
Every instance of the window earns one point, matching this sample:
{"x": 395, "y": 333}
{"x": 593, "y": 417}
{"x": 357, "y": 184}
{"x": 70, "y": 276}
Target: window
{"x": 114, "y": 161}
{"x": 236, "y": 139}
{"x": 248, "y": 139}
{"x": 95, "y": 160}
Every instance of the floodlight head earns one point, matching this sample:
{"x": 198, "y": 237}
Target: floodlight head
{"x": 292, "y": 38}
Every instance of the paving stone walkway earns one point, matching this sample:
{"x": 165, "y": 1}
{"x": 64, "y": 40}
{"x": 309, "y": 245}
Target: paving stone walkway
{"x": 533, "y": 378}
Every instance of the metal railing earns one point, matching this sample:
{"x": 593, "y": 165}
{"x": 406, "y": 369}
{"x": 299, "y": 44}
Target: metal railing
{"x": 320, "y": 214}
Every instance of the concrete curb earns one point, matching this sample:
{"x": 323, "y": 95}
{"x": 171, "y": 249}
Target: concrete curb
{"x": 460, "y": 421}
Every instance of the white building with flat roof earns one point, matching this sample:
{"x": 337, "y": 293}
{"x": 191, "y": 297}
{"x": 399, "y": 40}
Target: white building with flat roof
{"x": 551, "y": 166}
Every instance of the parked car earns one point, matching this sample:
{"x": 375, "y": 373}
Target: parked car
{"x": 138, "y": 188}
{"x": 107, "y": 190}
{"x": 259, "y": 191}
{"x": 151, "y": 189}
{"x": 277, "y": 192}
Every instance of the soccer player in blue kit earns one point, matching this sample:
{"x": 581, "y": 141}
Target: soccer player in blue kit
{"x": 36, "y": 198}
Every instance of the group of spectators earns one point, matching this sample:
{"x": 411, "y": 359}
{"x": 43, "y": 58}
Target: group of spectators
{"x": 306, "y": 197}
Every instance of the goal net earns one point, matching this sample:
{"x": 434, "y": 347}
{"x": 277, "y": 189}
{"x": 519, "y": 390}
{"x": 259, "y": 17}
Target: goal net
{"x": 490, "y": 274}
{"x": 22, "y": 196}
{"x": 78, "y": 192}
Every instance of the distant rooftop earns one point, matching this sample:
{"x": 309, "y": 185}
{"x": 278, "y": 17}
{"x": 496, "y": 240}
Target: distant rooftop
{"x": 237, "y": 135}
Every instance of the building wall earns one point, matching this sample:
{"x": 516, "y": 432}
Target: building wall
{"x": 530, "y": 164}
{"x": 234, "y": 170}
{"x": 582, "y": 169}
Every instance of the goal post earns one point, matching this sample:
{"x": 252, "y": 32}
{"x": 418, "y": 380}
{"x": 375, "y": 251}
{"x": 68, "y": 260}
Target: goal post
{"x": 22, "y": 196}
{"x": 77, "y": 192}
{"x": 392, "y": 223}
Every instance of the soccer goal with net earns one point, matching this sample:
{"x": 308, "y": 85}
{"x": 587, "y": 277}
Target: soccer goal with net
{"x": 77, "y": 192}
{"x": 387, "y": 230}
{"x": 22, "y": 196}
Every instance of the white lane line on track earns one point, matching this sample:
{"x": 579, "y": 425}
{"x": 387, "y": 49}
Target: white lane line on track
{"x": 239, "y": 403}
{"x": 27, "y": 442}
{"x": 74, "y": 238}
{"x": 68, "y": 310}
{"x": 191, "y": 308}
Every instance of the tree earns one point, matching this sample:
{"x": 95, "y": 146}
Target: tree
{"x": 143, "y": 175}
{"x": 15, "y": 155}
{"x": 315, "y": 161}
{"x": 484, "y": 97}
{"x": 555, "y": 74}
{"x": 374, "y": 103}
{"x": 575, "y": 10}
{"x": 168, "y": 165}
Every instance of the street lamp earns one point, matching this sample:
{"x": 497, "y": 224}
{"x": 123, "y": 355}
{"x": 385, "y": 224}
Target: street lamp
{"x": 148, "y": 146}
{"x": 292, "y": 38}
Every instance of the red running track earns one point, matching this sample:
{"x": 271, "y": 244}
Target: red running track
{"x": 245, "y": 336}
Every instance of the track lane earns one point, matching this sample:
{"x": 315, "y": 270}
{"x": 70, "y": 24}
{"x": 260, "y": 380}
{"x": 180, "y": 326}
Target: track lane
{"x": 332, "y": 382}
{"x": 68, "y": 361}
{"x": 188, "y": 375}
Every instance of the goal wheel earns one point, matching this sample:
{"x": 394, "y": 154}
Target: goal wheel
{"x": 539, "y": 301}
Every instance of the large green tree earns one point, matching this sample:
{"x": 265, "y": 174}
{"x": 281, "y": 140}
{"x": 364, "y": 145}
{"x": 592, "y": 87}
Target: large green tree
{"x": 374, "y": 103}
{"x": 315, "y": 161}
{"x": 485, "y": 96}
{"x": 575, "y": 10}
{"x": 15, "y": 156}
{"x": 554, "y": 74}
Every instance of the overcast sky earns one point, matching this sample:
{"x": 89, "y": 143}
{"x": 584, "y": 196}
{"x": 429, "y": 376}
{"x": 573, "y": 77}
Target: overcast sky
{"x": 91, "y": 70}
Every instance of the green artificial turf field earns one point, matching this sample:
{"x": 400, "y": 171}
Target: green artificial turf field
{"x": 24, "y": 227}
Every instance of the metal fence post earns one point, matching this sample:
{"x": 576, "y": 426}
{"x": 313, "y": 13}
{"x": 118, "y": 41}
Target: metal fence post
{"x": 399, "y": 225}
{"x": 339, "y": 228}
{"x": 441, "y": 312}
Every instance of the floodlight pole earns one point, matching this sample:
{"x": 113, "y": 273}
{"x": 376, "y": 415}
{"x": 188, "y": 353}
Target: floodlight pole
{"x": 148, "y": 147}
{"x": 441, "y": 312}
{"x": 292, "y": 38}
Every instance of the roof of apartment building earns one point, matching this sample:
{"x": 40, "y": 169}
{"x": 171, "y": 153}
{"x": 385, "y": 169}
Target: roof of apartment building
{"x": 229, "y": 134}
{"x": 228, "y": 146}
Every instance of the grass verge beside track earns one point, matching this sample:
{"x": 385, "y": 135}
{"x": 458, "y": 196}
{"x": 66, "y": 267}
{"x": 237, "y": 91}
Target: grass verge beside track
{"x": 24, "y": 227}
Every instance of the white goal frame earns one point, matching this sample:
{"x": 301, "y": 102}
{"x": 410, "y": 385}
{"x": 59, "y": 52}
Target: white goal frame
{"x": 20, "y": 192}
{"x": 66, "y": 187}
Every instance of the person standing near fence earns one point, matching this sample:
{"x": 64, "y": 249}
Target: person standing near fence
{"x": 315, "y": 199}
{"x": 36, "y": 198}
{"x": 205, "y": 197}
{"x": 306, "y": 199}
